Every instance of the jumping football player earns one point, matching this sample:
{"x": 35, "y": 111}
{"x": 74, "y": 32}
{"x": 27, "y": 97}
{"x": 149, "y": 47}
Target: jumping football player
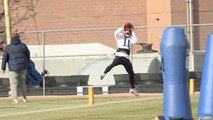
{"x": 125, "y": 38}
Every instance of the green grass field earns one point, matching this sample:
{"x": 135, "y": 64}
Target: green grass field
{"x": 107, "y": 107}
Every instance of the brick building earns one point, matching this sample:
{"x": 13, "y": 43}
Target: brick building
{"x": 91, "y": 21}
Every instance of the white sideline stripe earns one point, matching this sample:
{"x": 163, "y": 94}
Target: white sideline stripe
{"x": 10, "y": 107}
{"x": 48, "y": 110}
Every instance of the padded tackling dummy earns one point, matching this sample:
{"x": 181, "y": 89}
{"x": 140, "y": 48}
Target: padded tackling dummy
{"x": 173, "y": 49}
{"x": 205, "y": 107}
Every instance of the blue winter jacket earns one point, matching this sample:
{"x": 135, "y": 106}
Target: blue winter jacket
{"x": 16, "y": 54}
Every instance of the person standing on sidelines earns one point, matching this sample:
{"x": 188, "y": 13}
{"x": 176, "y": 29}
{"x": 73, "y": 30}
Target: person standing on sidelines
{"x": 125, "y": 37}
{"x": 17, "y": 55}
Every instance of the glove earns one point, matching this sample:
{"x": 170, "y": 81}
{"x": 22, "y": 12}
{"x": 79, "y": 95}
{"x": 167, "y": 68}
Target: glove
{"x": 128, "y": 26}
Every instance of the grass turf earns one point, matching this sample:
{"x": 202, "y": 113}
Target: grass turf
{"x": 77, "y": 108}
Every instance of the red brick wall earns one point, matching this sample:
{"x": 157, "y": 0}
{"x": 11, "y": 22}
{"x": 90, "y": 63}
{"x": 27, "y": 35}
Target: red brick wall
{"x": 81, "y": 14}
{"x": 84, "y": 14}
{"x": 178, "y": 12}
{"x": 203, "y": 14}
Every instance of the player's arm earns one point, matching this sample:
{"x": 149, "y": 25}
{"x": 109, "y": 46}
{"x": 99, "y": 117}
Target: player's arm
{"x": 134, "y": 38}
{"x": 118, "y": 32}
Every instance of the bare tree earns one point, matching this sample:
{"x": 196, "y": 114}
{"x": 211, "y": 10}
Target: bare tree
{"x": 20, "y": 11}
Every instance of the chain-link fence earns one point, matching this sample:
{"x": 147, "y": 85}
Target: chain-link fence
{"x": 149, "y": 81}
{"x": 145, "y": 34}
{"x": 67, "y": 85}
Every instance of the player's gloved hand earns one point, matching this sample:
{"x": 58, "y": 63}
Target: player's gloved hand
{"x": 128, "y": 26}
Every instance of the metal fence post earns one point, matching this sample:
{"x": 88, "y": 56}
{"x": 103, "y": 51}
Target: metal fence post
{"x": 43, "y": 44}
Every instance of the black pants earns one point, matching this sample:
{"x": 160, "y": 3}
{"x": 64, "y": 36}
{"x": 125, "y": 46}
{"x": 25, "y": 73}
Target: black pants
{"x": 127, "y": 65}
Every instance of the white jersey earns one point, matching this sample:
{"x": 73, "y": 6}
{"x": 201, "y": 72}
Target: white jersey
{"x": 124, "y": 42}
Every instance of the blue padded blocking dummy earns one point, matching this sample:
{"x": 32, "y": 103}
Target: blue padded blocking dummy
{"x": 205, "y": 107}
{"x": 176, "y": 99}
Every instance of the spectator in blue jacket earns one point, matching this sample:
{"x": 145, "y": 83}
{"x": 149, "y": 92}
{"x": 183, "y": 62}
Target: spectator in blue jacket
{"x": 17, "y": 55}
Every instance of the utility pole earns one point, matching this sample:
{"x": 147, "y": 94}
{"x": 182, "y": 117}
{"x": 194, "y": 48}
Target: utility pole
{"x": 7, "y": 20}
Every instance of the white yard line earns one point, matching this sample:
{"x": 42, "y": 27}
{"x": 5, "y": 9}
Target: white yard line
{"x": 81, "y": 106}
